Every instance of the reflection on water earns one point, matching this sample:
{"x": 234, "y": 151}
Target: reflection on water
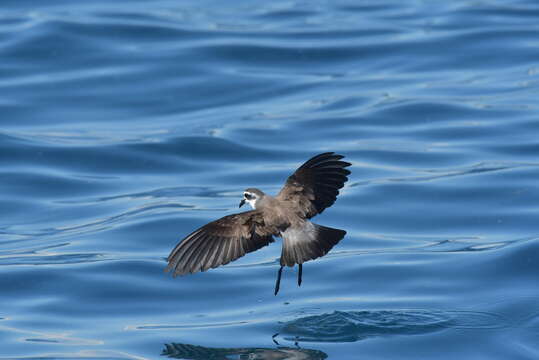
{"x": 345, "y": 326}
{"x": 195, "y": 352}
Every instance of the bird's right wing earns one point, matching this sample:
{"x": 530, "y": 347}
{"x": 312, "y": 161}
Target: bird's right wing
{"x": 220, "y": 242}
{"x": 315, "y": 185}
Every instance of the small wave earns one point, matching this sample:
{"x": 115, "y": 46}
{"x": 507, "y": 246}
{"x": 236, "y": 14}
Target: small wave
{"x": 165, "y": 193}
{"x": 37, "y": 336}
{"x": 349, "y": 326}
{"x": 104, "y": 223}
{"x": 168, "y": 193}
{"x": 59, "y": 339}
{"x": 82, "y": 155}
{"x": 463, "y": 245}
{"x": 532, "y": 322}
{"x": 479, "y": 168}
{"x": 457, "y": 244}
{"x": 52, "y": 259}
{"x": 82, "y": 355}
{"x": 186, "y": 326}
{"x": 18, "y": 250}
{"x": 197, "y": 148}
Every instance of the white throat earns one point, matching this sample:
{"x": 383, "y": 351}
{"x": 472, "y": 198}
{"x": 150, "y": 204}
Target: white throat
{"x": 252, "y": 203}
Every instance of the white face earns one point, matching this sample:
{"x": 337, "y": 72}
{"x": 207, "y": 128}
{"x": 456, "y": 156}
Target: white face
{"x": 250, "y": 199}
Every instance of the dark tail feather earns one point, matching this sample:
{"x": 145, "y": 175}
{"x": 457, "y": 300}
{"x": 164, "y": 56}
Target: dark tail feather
{"x": 309, "y": 248}
{"x": 329, "y": 236}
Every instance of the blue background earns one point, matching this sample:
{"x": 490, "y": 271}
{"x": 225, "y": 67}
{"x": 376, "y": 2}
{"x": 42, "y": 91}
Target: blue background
{"x": 124, "y": 125}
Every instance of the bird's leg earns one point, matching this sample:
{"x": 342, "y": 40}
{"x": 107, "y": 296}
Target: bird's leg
{"x": 278, "y": 283}
{"x": 300, "y": 273}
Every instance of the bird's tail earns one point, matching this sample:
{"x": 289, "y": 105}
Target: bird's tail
{"x": 308, "y": 243}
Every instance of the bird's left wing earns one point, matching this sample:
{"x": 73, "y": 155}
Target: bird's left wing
{"x": 220, "y": 242}
{"x": 314, "y": 186}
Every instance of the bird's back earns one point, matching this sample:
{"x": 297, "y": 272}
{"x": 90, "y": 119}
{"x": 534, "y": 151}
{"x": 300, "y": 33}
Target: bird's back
{"x": 281, "y": 213}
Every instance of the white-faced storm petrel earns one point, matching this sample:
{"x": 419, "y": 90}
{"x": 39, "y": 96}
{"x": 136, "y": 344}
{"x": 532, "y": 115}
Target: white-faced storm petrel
{"x": 313, "y": 187}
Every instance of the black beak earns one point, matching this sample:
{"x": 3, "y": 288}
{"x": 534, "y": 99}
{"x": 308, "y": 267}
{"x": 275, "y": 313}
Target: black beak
{"x": 242, "y": 202}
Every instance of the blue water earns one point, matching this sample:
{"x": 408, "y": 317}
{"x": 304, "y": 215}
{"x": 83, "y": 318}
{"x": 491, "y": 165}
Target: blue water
{"x": 125, "y": 125}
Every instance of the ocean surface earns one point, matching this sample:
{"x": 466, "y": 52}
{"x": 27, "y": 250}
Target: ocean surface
{"x": 125, "y": 125}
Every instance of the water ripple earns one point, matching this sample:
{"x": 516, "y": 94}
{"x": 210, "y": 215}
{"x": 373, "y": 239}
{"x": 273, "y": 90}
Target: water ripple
{"x": 346, "y": 326}
{"x": 82, "y": 355}
{"x": 437, "y": 174}
{"x": 51, "y": 259}
{"x": 186, "y": 326}
{"x": 105, "y": 223}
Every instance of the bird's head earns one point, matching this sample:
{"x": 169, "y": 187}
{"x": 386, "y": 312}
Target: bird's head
{"x": 251, "y": 196}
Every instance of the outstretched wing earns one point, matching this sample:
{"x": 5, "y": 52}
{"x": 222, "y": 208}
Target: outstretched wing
{"x": 220, "y": 242}
{"x": 315, "y": 185}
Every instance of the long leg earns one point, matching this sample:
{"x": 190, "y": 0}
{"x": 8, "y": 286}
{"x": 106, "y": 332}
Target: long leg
{"x": 300, "y": 273}
{"x": 278, "y": 283}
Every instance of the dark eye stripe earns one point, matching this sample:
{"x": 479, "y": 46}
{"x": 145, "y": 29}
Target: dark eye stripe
{"x": 248, "y": 196}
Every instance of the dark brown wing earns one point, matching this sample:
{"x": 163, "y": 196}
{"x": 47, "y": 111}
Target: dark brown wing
{"x": 220, "y": 242}
{"x": 315, "y": 185}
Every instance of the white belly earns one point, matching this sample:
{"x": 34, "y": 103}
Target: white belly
{"x": 306, "y": 233}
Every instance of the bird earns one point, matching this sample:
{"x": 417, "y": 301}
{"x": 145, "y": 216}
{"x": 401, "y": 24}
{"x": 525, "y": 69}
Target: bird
{"x": 311, "y": 189}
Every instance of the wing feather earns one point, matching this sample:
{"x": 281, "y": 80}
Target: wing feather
{"x": 220, "y": 242}
{"x": 228, "y": 254}
{"x": 190, "y": 249}
{"x": 190, "y": 259}
{"x": 205, "y": 260}
{"x": 211, "y": 260}
{"x": 182, "y": 245}
{"x": 217, "y": 256}
{"x": 314, "y": 186}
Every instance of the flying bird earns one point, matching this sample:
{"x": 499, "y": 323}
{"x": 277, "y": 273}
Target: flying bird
{"x": 313, "y": 187}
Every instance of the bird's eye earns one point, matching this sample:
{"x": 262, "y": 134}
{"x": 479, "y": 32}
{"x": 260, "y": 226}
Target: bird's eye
{"x": 248, "y": 196}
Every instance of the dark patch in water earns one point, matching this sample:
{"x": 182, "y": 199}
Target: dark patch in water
{"x": 194, "y": 352}
{"x": 44, "y": 340}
